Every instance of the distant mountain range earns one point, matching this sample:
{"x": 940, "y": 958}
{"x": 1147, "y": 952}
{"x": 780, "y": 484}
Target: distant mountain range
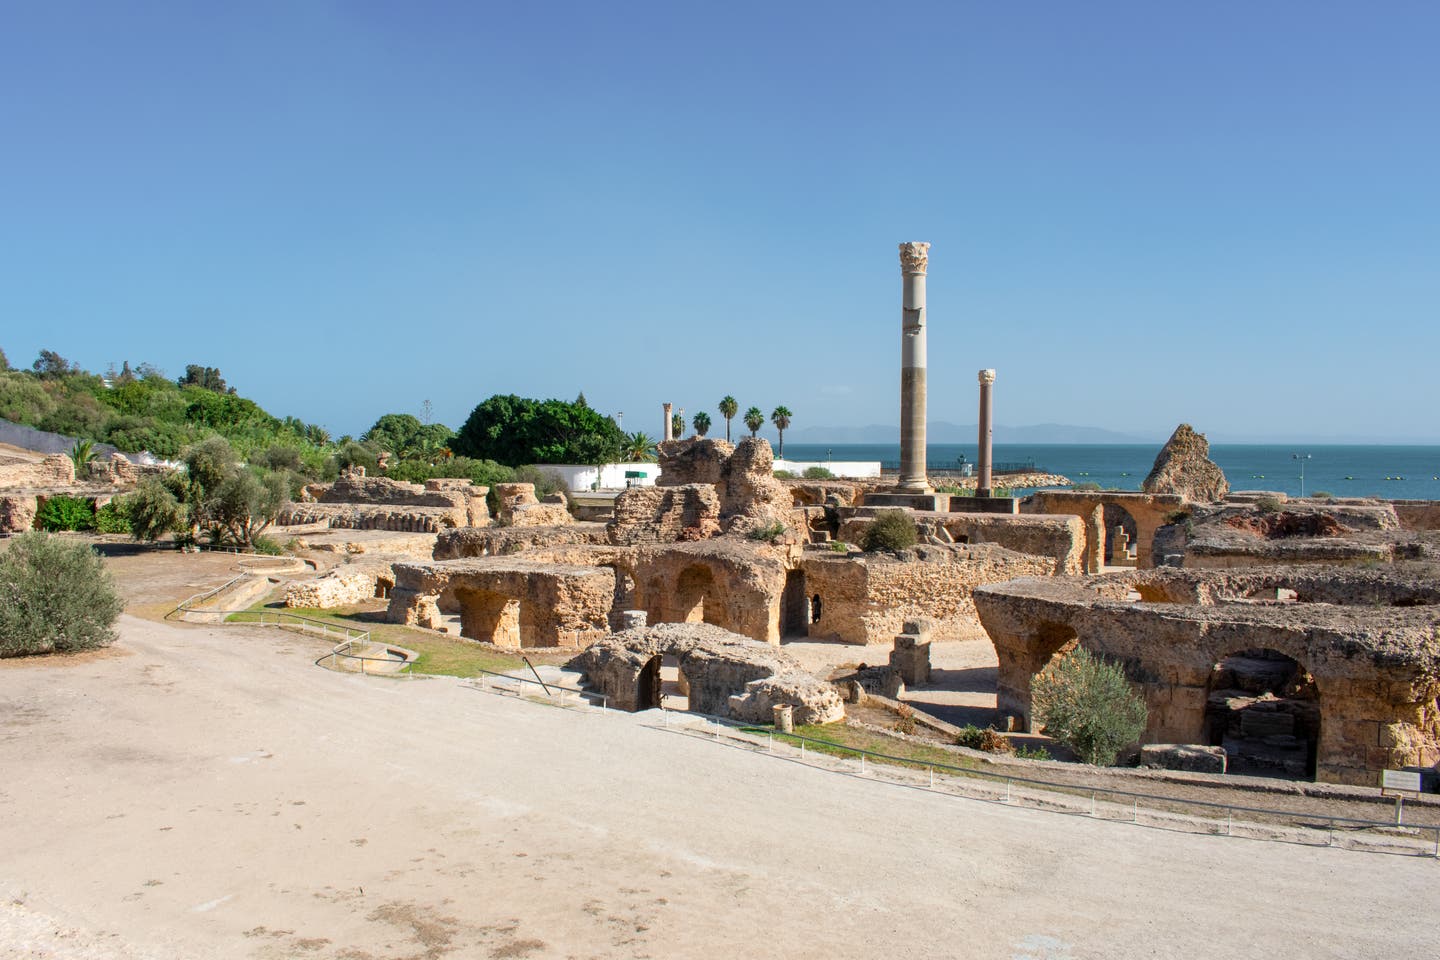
{"x": 942, "y": 431}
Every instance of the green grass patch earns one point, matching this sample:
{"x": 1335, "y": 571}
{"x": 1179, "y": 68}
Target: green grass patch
{"x": 837, "y": 736}
{"x": 447, "y": 656}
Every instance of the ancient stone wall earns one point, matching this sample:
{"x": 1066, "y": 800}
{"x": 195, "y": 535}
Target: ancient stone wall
{"x": 867, "y": 598}
{"x": 1375, "y": 668}
{"x": 1150, "y": 511}
{"x": 666, "y": 514}
{"x": 507, "y": 601}
{"x": 503, "y": 541}
{"x": 734, "y": 584}
{"x": 1060, "y": 537}
{"x": 725, "y": 674}
{"x": 342, "y": 587}
{"x": 1183, "y": 467}
{"x": 55, "y": 470}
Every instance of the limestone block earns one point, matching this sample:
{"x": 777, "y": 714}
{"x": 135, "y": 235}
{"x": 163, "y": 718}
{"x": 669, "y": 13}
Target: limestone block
{"x": 1184, "y": 467}
{"x": 1183, "y": 756}
{"x": 17, "y": 513}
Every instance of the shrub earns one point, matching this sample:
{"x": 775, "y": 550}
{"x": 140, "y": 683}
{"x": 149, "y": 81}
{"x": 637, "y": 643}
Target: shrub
{"x": 994, "y": 742}
{"x": 1033, "y": 753}
{"x": 55, "y": 595}
{"x": 1087, "y": 704}
{"x": 1177, "y": 516}
{"x": 905, "y": 720}
{"x": 770, "y": 533}
{"x": 267, "y": 546}
{"x": 890, "y": 530}
{"x": 154, "y": 510}
{"x": 65, "y": 513}
{"x": 818, "y": 473}
{"x": 1268, "y": 505}
{"x": 970, "y": 736}
{"x": 1323, "y": 495}
{"x": 114, "y": 517}
{"x": 1089, "y": 486}
{"x": 784, "y": 474}
{"x": 839, "y": 546}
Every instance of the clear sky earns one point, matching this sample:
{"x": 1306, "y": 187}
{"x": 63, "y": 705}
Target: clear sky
{"x": 1141, "y": 213}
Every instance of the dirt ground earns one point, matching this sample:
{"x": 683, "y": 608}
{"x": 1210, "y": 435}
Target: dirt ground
{"x": 208, "y": 792}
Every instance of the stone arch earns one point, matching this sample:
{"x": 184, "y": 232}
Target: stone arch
{"x": 491, "y": 617}
{"x": 383, "y": 586}
{"x": 1263, "y": 706}
{"x": 1048, "y": 643}
{"x": 695, "y": 595}
{"x": 1115, "y": 517}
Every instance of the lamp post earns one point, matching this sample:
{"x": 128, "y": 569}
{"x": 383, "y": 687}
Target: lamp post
{"x": 1301, "y": 457}
{"x": 620, "y": 419}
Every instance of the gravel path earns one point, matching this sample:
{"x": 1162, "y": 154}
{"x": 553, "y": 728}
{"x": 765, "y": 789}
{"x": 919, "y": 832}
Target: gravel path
{"x": 207, "y": 792}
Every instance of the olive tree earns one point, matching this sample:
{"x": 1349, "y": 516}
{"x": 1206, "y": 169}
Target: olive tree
{"x": 1087, "y": 704}
{"x": 55, "y": 595}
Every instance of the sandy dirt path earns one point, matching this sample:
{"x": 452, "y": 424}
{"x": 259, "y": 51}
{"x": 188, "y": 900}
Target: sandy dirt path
{"x": 207, "y": 792}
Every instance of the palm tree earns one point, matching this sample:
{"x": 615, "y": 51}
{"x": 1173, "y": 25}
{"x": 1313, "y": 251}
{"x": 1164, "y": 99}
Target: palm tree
{"x": 701, "y": 421}
{"x": 639, "y": 448}
{"x": 677, "y": 426}
{"x": 728, "y": 409}
{"x": 780, "y": 416}
{"x": 82, "y": 455}
{"x": 754, "y": 419}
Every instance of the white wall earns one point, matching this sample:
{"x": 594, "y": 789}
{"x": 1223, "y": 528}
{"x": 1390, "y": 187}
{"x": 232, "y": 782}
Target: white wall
{"x": 611, "y": 476}
{"x": 840, "y": 468}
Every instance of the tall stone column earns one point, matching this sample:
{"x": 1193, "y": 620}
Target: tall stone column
{"x": 669, "y": 432}
{"x": 914, "y": 258}
{"x": 987, "y": 430}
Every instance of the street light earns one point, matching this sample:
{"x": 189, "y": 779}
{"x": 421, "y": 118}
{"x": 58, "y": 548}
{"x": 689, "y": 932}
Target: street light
{"x": 1302, "y": 457}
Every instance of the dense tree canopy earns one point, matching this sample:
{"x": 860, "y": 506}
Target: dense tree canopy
{"x": 405, "y": 436}
{"x": 518, "y": 430}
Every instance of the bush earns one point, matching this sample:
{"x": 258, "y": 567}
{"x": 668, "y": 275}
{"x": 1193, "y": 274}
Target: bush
{"x": 818, "y": 473}
{"x": 267, "y": 546}
{"x": 1087, "y": 704}
{"x": 1089, "y": 486}
{"x": 154, "y": 510}
{"x": 1323, "y": 495}
{"x": 905, "y": 720}
{"x": 784, "y": 474}
{"x": 1268, "y": 505}
{"x": 65, "y": 513}
{"x": 1177, "y": 516}
{"x": 839, "y": 546}
{"x": 55, "y": 595}
{"x": 1033, "y": 753}
{"x": 114, "y": 517}
{"x": 890, "y": 530}
{"x": 989, "y": 739}
{"x": 768, "y": 534}
{"x": 970, "y": 736}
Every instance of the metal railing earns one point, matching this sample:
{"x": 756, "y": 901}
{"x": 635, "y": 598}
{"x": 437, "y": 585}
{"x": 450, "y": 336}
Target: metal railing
{"x": 551, "y": 689}
{"x": 1130, "y": 806}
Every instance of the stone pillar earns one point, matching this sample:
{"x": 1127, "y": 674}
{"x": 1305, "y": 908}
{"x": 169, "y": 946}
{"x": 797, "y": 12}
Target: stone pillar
{"x": 987, "y": 430}
{"x": 914, "y": 258}
{"x": 669, "y": 432}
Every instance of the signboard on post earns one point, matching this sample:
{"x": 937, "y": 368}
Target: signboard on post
{"x": 1400, "y": 780}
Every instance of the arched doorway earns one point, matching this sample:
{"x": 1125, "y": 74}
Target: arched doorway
{"x": 794, "y": 606}
{"x": 489, "y": 617}
{"x": 647, "y": 685}
{"x": 1121, "y": 536}
{"x": 1263, "y": 707}
{"x": 694, "y": 592}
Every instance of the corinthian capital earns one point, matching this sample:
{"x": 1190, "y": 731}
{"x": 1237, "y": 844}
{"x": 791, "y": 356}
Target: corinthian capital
{"x": 914, "y": 257}
{"x": 987, "y": 376}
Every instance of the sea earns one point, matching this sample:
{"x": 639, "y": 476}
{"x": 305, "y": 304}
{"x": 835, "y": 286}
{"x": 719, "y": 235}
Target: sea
{"x": 1343, "y": 470}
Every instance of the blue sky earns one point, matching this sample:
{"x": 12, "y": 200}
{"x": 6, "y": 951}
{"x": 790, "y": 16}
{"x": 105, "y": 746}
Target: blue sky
{"x": 1141, "y": 213}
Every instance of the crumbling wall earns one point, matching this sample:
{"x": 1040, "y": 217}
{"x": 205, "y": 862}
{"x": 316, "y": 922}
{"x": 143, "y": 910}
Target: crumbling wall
{"x": 342, "y": 587}
{"x": 727, "y": 675}
{"x": 665, "y": 514}
{"x": 867, "y": 598}
{"x": 1183, "y": 467}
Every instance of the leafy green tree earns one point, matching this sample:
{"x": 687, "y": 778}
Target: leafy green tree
{"x": 4, "y": 362}
{"x": 640, "y": 448}
{"x": 155, "y": 508}
{"x": 780, "y": 416}
{"x": 206, "y": 378}
{"x": 245, "y": 505}
{"x": 405, "y": 436}
{"x": 351, "y": 453}
{"x": 581, "y": 402}
{"x": 701, "y": 422}
{"x": 754, "y": 419}
{"x": 1087, "y": 704}
{"x": 728, "y": 409}
{"x": 50, "y": 365}
{"x": 518, "y": 430}
{"x": 58, "y": 596}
